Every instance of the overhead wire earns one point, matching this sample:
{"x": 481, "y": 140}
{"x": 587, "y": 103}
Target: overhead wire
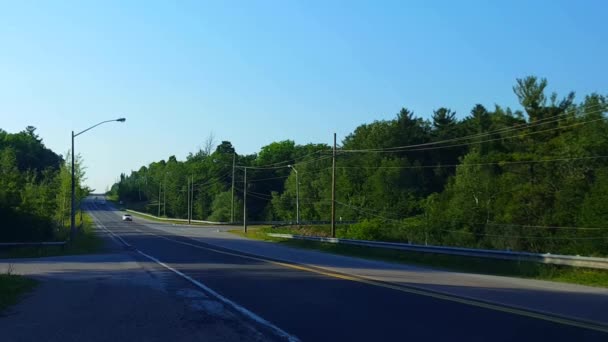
{"x": 474, "y": 142}
{"x": 272, "y": 178}
{"x": 283, "y": 166}
{"x": 499, "y": 163}
{"x": 518, "y": 127}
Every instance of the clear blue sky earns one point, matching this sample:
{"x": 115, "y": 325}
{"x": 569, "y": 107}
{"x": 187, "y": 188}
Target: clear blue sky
{"x": 254, "y": 72}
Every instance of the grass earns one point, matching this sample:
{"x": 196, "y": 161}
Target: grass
{"x": 156, "y": 219}
{"x": 12, "y": 287}
{"x": 140, "y": 206}
{"x": 522, "y": 269}
{"x": 85, "y": 242}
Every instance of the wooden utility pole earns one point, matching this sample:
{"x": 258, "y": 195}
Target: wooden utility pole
{"x": 333, "y": 190}
{"x": 232, "y": 204}
{"x": 160, "y": 185}
{"x": 192, "y": 199}
{"x": 245, "y": 201}
{"x": 188, "y": 184}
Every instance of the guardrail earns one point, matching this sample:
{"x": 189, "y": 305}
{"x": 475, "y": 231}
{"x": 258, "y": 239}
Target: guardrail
{"x": 302, "y": 223}
{"x": 547, "y": 258}
{"x": 32, "y": 244}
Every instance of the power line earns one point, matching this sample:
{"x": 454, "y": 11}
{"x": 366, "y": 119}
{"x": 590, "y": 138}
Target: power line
{"x": 269, "y": 197}
{"x": 278, "y": 165}
{"x": 212, "y": 181}
{"x": 474, "y": 142}
{"x": 500, "y": 163}
{"x": 475, "y": 136}
{"x": 271, "y": 178}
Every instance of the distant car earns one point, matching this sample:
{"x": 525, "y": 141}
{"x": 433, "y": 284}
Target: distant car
{"x": 127, "y": 217}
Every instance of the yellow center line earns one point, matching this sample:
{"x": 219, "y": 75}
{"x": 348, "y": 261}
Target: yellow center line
{"x": 401, "y": 288}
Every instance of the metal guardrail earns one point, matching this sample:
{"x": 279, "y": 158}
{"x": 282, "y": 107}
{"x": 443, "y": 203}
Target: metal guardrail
{"x": 32, "y": 244}
{"x": 547, "y": 258}
{"x": 302, "y": 223}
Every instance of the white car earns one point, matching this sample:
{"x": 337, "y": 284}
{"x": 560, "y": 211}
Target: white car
{"x": 127, "y": 217}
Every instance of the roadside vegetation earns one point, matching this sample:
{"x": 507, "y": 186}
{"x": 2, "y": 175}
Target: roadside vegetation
{"x": 522, "y": 269}
{"x": 532, "y": 178}
{"x": 34, "y": 189}
{"x": 87, "y": 241}
{"x": 12, "y": 287}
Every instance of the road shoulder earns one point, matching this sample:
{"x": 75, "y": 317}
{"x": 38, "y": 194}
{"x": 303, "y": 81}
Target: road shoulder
{"x": 115, "y": 295}
{"x": 575, "y": 302}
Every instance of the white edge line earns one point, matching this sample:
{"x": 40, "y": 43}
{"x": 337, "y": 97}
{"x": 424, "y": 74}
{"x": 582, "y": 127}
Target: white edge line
{"x": 237, "y": 307}
{"x": 282, "y": 333}
{"x": 426, "y": 292}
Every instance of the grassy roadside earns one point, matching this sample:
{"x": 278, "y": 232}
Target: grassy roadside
{"x": 138, "y": 207}
{"x": 86, "y": 242}
{"x": 155, "y": 219}
{"x": 532, "y": 270}
{"x": 12, "y": 287}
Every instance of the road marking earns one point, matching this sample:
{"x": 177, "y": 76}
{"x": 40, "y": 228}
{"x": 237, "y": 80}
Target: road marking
{"x": 225, "y": 300}
{"x": 406, "y": 289}
{"x": 402, "y": 288}
{"x": 280, "y": 332}
{"x": 114, "y": 237}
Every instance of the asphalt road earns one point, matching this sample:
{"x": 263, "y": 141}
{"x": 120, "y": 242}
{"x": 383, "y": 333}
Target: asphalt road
{"x": 315, "y": 307}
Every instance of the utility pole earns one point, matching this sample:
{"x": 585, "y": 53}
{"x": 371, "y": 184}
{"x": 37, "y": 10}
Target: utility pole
{"x": 245, "y": 201}
{"x": 192, "y": 197}
{"x": 165, "y": 201}
{"x": 297, "y": 194}
{"x": 333, "y": 190}
{"x": 188, "y": 194}
{"x": 297, "y": 199}
{"x": 160, "y": 185}
{"x": 232, "y": 205}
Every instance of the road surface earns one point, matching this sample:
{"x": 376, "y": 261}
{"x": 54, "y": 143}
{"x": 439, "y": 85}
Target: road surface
{"x": 313, "y": 306}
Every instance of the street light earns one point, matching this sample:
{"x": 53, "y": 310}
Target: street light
{"x": 72, "y": 210}
{"x": 297, "y": 194}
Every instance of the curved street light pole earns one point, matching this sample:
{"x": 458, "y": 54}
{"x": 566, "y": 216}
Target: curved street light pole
{"x": 73, "y": 186}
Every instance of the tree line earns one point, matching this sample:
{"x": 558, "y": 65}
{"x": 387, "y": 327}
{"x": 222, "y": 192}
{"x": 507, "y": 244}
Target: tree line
{"x": 34, "y": 189}
{"x": 534, "y": 179}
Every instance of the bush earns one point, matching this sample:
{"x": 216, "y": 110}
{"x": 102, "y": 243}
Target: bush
{"x": 409, "y": 230}
{"x": 23, "y": 227}
{"x": 221, "y": 207}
